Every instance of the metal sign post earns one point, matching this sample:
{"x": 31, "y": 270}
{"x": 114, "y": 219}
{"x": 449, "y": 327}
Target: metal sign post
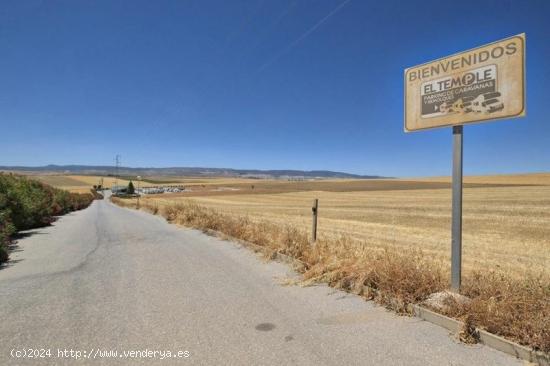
{"x": 456, "y": 241}
{"x": 479, "y": 85}
{"x": 314, "y": 210}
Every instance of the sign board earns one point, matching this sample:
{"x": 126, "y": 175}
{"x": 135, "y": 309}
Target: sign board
{"x": 481, "y": 84}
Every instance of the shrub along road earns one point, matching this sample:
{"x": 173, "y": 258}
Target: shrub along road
{"x": 110, "y": 278}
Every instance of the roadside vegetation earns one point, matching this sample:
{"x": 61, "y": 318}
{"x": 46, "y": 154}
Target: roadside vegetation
{"x": 515, "y": 308}
{"x": 26, "y": 204}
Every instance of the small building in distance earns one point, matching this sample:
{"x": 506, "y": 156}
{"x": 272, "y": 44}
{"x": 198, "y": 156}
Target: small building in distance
{"x": 119, "y": 190}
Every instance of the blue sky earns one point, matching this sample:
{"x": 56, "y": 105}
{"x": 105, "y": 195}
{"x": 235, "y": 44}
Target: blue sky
{"x": 269, "y": 84}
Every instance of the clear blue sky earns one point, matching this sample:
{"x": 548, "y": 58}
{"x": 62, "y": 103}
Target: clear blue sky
{"x": 268, "y": 84}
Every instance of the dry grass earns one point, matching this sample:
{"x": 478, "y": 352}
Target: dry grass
{"x": 504, "y": 227}
{"x": 515, "y": 308}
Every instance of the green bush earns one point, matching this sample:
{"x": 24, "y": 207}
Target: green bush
{"x": 6, "y": 229}
{"x": 26, "y": 204}
{"x": 26, "y": 201}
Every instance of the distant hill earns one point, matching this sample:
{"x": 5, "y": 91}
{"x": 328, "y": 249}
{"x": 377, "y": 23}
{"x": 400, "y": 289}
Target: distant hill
{"x": 184, "y": 171}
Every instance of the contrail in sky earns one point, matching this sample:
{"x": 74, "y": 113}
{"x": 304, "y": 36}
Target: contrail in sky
{"x": 303, "y": 36}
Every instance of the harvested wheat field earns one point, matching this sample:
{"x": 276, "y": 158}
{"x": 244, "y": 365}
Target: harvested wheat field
{"x": 524, "y": 179}
{"x": 85, "y": 182}
{"x": 75, "y": 183}
{"x": 78, "y": 183}
{"x": 505, "y": 227}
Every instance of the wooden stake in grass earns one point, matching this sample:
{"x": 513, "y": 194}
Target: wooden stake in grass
{"x": 314, "y": 210}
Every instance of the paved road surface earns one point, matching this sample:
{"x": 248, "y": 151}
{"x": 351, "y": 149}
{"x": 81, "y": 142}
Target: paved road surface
{"x": 111, "y": 278}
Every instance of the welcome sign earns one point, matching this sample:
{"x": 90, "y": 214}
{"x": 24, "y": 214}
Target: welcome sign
{"x": 481, "y": 84}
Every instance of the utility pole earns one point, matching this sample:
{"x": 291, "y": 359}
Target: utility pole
{"x": 117, "y": 162}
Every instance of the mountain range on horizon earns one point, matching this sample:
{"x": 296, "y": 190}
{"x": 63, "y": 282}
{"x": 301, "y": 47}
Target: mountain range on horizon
{"x": 183, "y": 171}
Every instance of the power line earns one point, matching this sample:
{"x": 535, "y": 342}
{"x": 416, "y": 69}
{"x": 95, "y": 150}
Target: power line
{"x": 117, "y": 163}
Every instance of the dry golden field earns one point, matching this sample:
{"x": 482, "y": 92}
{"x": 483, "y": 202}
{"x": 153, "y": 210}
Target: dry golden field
{"x": 525, "y": 179}
{"x": 506, "y": 217}
{"x": 77, "y": 183}
{"x": 505, "y": 227}
{"x": 199, "y": 186}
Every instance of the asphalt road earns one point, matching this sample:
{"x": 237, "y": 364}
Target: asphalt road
{"x": 108, "y": 278}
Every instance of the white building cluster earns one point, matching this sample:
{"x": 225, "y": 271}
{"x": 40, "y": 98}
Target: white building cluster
{"x": 161, "y": 189}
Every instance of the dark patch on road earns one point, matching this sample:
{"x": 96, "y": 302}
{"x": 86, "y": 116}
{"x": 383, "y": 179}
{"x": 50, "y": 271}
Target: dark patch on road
{"x": 265, "y": 327}
{"x": 289, "y": 338}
